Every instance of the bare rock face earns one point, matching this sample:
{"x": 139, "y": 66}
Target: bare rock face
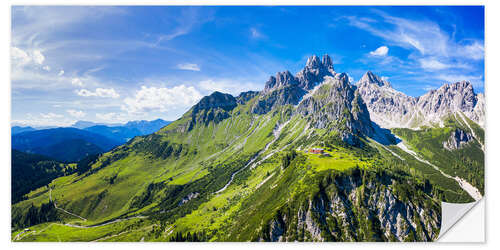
{"x": 244, "y": 97}
{"x": 457, "y": 139}
{"x": 315, "y": 71}
{"x": 370, "y": 78}
{"x": 388, "y": 108}
{"x": 310, "y": 76}
{"x": 290, "y": 94}
{"x": 282, "y": 79}
{"x": 449, "y": 98}
{"x": 394, "y": 218}
{"x": 392, "y": 109}
{"x": 336, "y": 105}
{"x": 284, "y": 88}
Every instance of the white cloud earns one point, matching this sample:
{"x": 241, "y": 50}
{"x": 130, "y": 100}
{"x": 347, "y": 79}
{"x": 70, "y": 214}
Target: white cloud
{"x": 424, "y": 36}
{"x": 21, "y": 58}
{"x": 188, "y": 66}
{"x": 46, "y": 68}
{"x": 451, "y": 78}
{"x": 432, "y": 64}
{"x": 256, "y": 33}
{"x": 161, "y": 99}
{"x": 380, "y": 51}
{"x": 474, "y": 51}
{"x": 51, "y": 115}
{"x": 233, "y": 87}
{"x": 111, "y": 117}
{"x": 77, "y": 82}
{"x": 99, "y": 92}
{"x": 429, "y": 87}
{"x": 49, "y": 119}
{"x": 76, "y": 113}
{"x": 38, "y": 57}
{"x": 61, "y": 73}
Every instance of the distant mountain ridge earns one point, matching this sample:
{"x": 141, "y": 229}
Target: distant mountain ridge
{"x": 19, "y": 129}
{"x": 73, "y": 144}
{"x": 127, "y": 131}
{"x": 86, "y": 124}
{"x": 63, "y": 144}
{"x": 393, "y": 109}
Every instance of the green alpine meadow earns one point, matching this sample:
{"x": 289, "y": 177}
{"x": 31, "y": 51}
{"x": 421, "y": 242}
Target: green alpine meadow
{"x": 300, "y": 160}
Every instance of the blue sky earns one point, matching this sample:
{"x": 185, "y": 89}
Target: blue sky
{"x": 114, "y": 64}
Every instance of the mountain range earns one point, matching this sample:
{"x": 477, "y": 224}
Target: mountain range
{"x": 71, "y": 144}
{"x": 311, "y": 157}
{"x": 393, "y": 109}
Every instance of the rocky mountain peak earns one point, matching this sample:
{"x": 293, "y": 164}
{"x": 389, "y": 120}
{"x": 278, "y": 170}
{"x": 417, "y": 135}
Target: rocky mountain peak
{"x": 370, "y": 78}
{"x": 313, "y": 62}
{"x": 327, "y": 61}
{"x": 336, "y": 105}
{"x": 449, "y": 98}
{"x": 390, "y": 108}
{"x": 214, "y": 101}
{"x": 281, "y": 79}
{"x": 284, "y": 88}
{"x": 315, "y": 71}
{"x": 212, "y": 108}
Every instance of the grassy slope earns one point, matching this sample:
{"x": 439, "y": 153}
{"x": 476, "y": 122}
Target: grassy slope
{"x": 209, "y": 155}
{"x": 466, "y": 162}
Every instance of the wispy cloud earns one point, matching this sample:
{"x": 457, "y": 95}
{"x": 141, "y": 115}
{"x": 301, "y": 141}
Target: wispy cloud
{"x": 432, "y": 64}
{"x": 256, "y": 34}
{"x": 76, "y": 113}
{"x": 77, "y": 82}
{"x": 43, "y": 119}
{"x": 99, "y": 92}
{"x": 188, "y": 66}
{"x": 22, "y": 58}
{"x": 183, "y": 23}
{"x": 476, "y": 80}
{"x": 423, "y": 36}
{"x": 111, "y": 117}
{"x": 233, "y": 87}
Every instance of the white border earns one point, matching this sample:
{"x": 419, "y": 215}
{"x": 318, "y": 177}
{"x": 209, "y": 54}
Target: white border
{"x": 492, "y": 97}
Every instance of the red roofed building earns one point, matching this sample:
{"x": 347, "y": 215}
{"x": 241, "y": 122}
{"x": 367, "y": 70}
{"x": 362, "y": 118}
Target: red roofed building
{"x": 316, "y": 150}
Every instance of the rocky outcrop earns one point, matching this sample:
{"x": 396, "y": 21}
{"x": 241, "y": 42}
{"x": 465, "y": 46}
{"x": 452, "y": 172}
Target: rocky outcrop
{"x": 290, "y": 94}
{"x": 448, "y": 99}
{"x": 282, "y": 79}
{"x": 189, "y": 197}
{"x": 388, "y": 108}
{"x": 370, "y": 78}
{"x": 310, "y": 76}
{"x": 457, "y": 139}
{"x": 350, "y": 209}
{"x": 337, "y": 105}
{"x": 315, "y": 71}
{"x": 284, "y": 88}
{"x": 392, "y": 109}
{"x": 244, "y": 97}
